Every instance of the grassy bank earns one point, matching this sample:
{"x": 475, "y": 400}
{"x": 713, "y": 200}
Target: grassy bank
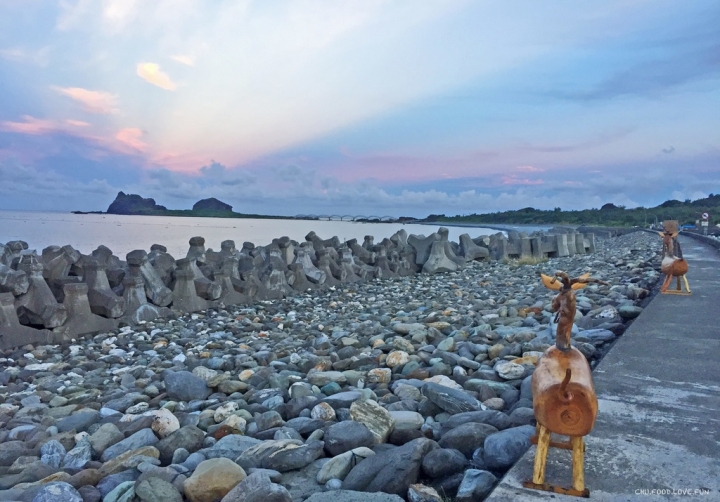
{"x": 686, "y": 212}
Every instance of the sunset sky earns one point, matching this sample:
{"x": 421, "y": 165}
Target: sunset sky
{"x": 403, "y": 107}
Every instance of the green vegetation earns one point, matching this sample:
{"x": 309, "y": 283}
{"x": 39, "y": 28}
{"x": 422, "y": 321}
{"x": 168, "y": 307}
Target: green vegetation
{"x": 528, "y": 260}
{"x": 204, "y": 213}
{"x": 686, "y": 212}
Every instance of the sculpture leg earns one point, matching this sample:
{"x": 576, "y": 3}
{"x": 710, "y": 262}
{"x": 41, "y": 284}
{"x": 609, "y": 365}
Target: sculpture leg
{"x": 541, "y": 455}
{"x": 679, "y": 287}
{"x": 687, "y": 286}
{"x": 666, "y": 283}
{"x": 578, "y": 458}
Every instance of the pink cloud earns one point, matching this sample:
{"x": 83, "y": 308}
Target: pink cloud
{"x": 397, "y": 167}
{"x": 93, "y": 101}
{"x": 77, "y": 123}
{"x": 573, "y": 183}
{"x": 514, "y": 180}
{"x": 530, "y": 169}
{"x": 31, "y": 125}
{"x": 130, "y": 136}
{"x": 126, "y": 141}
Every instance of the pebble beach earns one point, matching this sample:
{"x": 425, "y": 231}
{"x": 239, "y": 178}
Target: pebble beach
{"x": 417, "y": 388}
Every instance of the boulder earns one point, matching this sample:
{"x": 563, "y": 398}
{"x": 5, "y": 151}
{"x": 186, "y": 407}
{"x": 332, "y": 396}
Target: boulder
{"x": 504, "y": 448}
{"x": 155, "y": 489}
{"x": 213, "y": 479}
{"x": 282, "y": 455}
{"x": 467, "y": 437}
{"x": 56, "y": 492}
{"x": 143, "y": 437}
{"x": 347, "y": 435}
{"x": 338, "y": 467}
{"x": 352, "y": 496}
{"x": 476, "y": 485}
{"x": 390, "y": 471}
{"x": 188, "y": 437}
{"x": 376, "y": 418}
{"x": 184, "y": 386}
{"x": 451, "y": 400}
{"x": 443, "y": 462}
{"x": 257, "y": 487}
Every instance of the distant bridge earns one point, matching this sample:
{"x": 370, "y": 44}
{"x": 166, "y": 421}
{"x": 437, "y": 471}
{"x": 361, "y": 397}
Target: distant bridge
{"x": 346, "y": 217}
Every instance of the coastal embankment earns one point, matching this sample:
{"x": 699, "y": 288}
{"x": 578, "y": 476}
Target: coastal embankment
{"x": 415, "y": 351}
{"x": 656, "y": 436}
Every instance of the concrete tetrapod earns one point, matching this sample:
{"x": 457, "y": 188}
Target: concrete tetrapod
{"x": 14, "y": 334}
{"x": 438, "y": 261}
{"x": 422, "y": 246}
{"x": 471, "y": 251}
{"x": 155, "y": 289}
{"x": 13, "y": 281}
{"x": 80, "y": 318}
{"x": 38, "y": 305}
{"x": 137, "y": 308}
{"x": 57, "y": 261}
{"x": 185, "y": 297}
{"x": 103, "y": 300}
{"x": 197, "y": 258}
{"x": 229, "y": 296}
{"x": 313, "y": 274}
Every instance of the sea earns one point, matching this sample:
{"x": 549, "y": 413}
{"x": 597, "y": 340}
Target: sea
{"x": 122, "y": 234}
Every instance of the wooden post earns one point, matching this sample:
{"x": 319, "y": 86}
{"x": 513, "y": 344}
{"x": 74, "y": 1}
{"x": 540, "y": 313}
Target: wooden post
{"x": 541, "y": 456}
{"x": 578, "y": 464}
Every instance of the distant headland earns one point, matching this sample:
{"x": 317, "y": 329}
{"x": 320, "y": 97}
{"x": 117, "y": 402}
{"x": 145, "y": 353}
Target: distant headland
{"x": 132, "y": 204}
{"x": 687, "y": 212}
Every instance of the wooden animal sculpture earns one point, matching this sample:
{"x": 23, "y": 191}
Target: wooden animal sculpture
{"x": 564, "y": 397}
{"x": 673, "y": 264}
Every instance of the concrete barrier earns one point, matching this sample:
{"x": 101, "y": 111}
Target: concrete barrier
{"x": 83, "y": 294}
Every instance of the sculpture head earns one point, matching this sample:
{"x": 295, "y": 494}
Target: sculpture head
{"x": 562, "y": 282}
{"x": 668, "y": 239}
{"x": 564, "y": 303}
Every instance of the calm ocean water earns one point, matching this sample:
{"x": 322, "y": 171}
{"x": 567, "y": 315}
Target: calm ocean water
{"x": 122, "y": 234}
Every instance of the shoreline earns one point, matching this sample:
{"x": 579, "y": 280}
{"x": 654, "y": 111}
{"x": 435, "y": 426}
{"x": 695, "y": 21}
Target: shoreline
{"x": 384, "y": 368}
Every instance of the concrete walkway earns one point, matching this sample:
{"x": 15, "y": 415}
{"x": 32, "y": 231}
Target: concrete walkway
{"x": 658, "y": 425}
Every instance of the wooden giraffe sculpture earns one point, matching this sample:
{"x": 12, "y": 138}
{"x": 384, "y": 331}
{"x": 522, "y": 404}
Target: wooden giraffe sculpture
{"x": 673, "y": 264}
{"x": 564, "y": 397}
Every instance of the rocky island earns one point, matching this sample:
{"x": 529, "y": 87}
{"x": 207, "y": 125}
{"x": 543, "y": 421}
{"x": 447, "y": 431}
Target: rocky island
{"x": 133, "y": 204}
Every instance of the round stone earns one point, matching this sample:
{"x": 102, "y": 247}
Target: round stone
{"x": 397, "y": 358}
{"x": 323, "y": 411}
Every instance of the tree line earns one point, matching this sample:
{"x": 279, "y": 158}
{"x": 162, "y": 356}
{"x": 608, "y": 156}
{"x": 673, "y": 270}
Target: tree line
{"x": 687, "y": 212}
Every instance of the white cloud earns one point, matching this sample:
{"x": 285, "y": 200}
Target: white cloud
{"x": 274, "y": 75}
{"x": 151, "y": 73}
{"x": 186, "y": 60}
{"x": 119, "y": 12}
{"x": 39, "y": 57}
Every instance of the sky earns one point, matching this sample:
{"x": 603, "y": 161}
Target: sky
{"x": 367, "y": 107}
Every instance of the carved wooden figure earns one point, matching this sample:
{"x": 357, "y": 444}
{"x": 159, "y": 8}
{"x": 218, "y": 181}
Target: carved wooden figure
{"x": 564, "y": 397}
{"x": 673, "y": 264}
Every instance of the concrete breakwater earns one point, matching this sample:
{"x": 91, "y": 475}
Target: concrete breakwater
{"x": 61, "y": 294}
